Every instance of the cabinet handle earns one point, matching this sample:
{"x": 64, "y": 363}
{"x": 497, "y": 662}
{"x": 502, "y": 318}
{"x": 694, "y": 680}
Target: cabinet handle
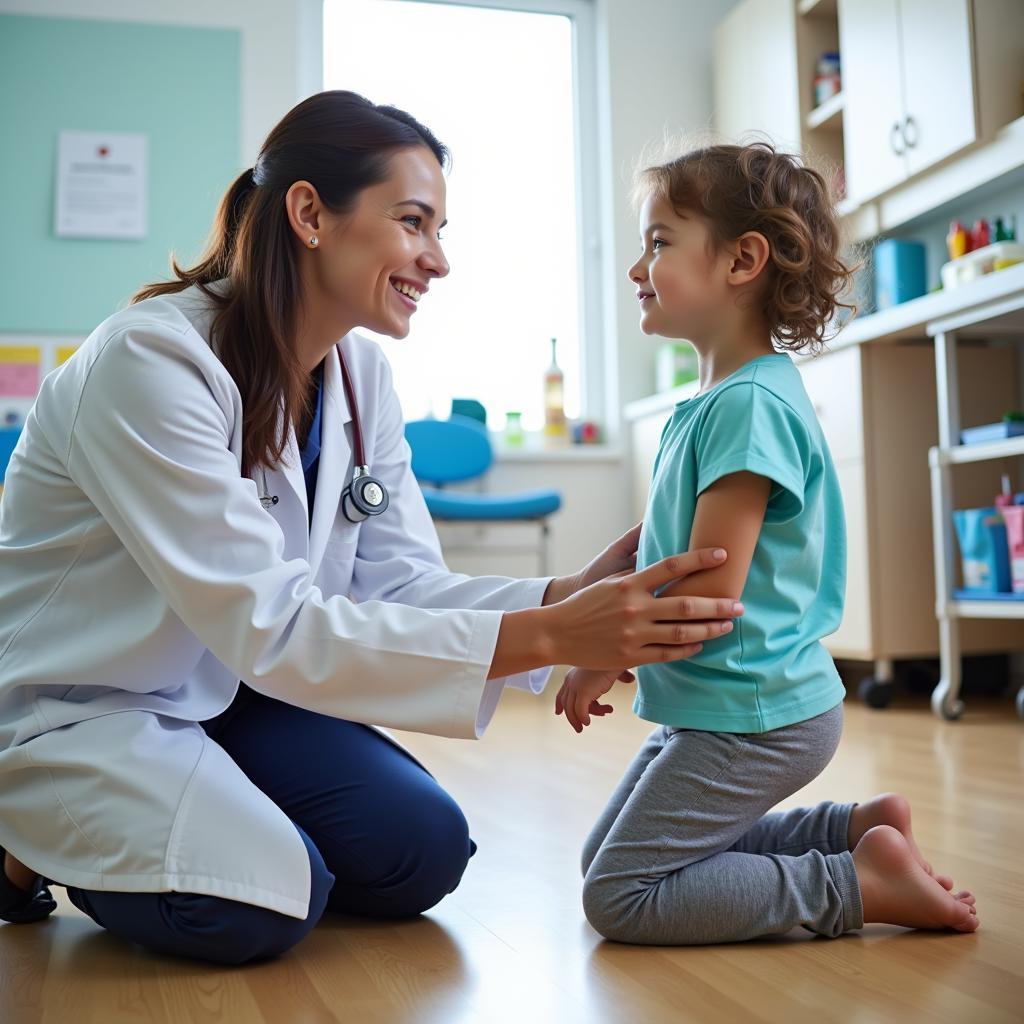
{"x": 895, "y": 134}
{"x": 910, "y": 125}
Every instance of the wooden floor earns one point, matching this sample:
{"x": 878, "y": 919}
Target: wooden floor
{"x": 512, "y": 945}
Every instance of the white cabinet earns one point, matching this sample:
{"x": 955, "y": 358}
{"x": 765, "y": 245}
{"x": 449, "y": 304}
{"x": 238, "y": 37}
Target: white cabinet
{"x": 922, "y": 81}
{"x": 908, "y": 81}
{"x": 937, "y": 80}
{"x": 755, "y": 86}
{"x": 874, "y": 159}
{"x": 765, "y": 58}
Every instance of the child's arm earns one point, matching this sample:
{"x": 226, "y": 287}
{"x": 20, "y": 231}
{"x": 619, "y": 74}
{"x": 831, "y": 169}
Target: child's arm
{"x": 729, "y": 515}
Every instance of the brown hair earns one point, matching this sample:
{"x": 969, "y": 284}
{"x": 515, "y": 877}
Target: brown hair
{"x": 339, "y": 142}
{"x": 756, "y": 188}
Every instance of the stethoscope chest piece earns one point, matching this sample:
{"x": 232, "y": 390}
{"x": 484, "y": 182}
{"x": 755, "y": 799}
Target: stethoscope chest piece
{"x": 363, "y": 497}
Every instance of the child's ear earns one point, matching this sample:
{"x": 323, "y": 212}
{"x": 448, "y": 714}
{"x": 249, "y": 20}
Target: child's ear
{"x": 749, "y": 254}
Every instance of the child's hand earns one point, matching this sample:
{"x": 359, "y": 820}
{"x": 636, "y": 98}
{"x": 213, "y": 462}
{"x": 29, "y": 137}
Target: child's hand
{"x": 579, "y": 694}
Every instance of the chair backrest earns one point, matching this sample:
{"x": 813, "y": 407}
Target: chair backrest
{"x": 447, "y": 451}
{"x": 8, "y": 441}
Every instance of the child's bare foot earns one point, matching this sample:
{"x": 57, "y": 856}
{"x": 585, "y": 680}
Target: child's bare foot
{"x": 890, "y": 809}
{"x": 895, "y": 888}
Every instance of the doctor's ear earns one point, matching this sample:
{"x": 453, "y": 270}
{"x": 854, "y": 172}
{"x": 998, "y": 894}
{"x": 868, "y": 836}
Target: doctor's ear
{"x": 305, "y": 213}
{"x": 748, "y": 254}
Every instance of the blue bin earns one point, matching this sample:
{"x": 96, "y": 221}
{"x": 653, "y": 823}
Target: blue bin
{"x": 8, "y": 439}
{"x": 984, "y": 550}
{"x": 899, "y": 272}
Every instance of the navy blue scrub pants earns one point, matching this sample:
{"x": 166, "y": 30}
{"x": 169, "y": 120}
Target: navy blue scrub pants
{"x": 384, "y": 839}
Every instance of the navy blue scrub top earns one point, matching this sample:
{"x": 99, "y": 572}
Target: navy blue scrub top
{"x": 311, "y": 451}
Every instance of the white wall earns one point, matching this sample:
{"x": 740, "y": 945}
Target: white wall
{"x": 655, "y": 64}
{"x": 656, "y": 58}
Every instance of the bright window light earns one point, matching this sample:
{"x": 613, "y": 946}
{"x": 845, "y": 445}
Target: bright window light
{"x": 496, "y": 87}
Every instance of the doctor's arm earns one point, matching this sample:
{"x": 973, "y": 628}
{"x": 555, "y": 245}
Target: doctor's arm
{"x": 619, "y": 556}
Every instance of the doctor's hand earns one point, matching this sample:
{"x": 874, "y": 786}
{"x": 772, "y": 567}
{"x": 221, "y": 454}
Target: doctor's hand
{"x": 617, "y": 621}
{"x": 619, "y": 556}
{"x": 580, "y": 695}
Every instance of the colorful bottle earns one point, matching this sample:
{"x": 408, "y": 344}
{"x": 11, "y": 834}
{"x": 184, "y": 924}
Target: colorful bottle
{"x": 555, "y": 427}
{"x": 514, "y": 429}
{"x": 980, "y": 234}
{"x": 1004, "y": 232}
{"x": 957, "y": 240}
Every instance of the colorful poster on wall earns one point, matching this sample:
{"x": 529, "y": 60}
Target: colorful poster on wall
{"x": 19, "y": 370}
{"x": 64, "y": 353}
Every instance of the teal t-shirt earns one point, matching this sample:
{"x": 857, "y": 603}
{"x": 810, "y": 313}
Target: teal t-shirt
{"x": 772, "y": 669}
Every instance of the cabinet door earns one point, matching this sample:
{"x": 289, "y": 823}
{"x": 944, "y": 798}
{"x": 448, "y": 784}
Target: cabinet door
{"x": 833, "y": 384}
{"x": 854, "y": 637}
{"x": 646, "y": 433}
{"x": 755, "y": 67}
{"x": 938, "y": 79}
{"x": 869, "y": 35}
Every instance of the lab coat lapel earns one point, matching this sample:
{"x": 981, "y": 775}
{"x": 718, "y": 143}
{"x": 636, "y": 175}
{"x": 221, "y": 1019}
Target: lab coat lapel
{"x": 335, "y": 456}
{"x": 287, "y": 481}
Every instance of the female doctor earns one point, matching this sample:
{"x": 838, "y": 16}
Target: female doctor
{"x": 215, "y": 489}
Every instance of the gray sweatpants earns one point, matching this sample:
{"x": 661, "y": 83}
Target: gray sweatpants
{"x": 685, "y": 853}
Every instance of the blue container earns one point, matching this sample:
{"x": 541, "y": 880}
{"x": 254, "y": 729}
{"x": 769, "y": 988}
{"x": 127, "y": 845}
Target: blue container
{"x": 8, "y": 439}
{"x": 984, "y": 550}
{"x": 992, "y": 432}
{"x": 899, "y": 269}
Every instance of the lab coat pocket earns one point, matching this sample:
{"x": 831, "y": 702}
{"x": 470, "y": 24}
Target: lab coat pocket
{"x": 335, "y": 575}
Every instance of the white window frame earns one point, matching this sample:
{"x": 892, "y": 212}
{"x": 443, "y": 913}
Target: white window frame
{"x": 595, "y": 395}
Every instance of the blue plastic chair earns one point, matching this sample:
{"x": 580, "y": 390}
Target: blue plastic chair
{"x": 8, "y": 441}
{"x": 457, "y": 450}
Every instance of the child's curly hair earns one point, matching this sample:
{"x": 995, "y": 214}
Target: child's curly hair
{"x": 754, "y": 187}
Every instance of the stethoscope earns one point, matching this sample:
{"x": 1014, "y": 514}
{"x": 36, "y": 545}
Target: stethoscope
{"x": 364, "y": 496}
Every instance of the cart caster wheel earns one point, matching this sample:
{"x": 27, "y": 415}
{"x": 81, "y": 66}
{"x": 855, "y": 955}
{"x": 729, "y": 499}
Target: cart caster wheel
{"x": 874, "y": 693}
{"x": 950, "y": 710}
{"x": 1020, "y": 702}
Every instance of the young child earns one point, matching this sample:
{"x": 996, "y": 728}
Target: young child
{"x": 741, "y": 258}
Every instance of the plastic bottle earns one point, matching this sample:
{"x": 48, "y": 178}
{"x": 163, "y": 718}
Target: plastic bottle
{"x": 827, "y": 80}
{"x": 980, "y": 234}
{"x": 957, "y": 240}
{"x": 555, "y": 427}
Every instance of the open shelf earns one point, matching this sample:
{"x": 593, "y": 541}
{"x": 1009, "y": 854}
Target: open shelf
{"x": 986, "y": 450}
{"x": 828, "y": 115}
{"x": 1008, "y": 607}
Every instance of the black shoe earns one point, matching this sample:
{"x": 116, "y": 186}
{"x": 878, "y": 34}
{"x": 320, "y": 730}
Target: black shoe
{"x": 22, "y": 906}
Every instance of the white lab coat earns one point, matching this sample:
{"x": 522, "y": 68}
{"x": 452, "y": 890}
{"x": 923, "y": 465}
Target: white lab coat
{"x": 141, "y": 578}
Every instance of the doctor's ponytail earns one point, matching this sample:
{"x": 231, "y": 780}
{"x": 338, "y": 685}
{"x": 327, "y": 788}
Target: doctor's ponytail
{"x": 339, "y": 142}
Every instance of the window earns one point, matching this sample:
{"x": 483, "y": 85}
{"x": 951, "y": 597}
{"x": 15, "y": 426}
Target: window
{"x": 498, "y": 87}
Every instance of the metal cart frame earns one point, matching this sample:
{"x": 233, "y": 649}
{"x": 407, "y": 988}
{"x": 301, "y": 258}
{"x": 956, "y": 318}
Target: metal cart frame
{"x": 992, "y": 319}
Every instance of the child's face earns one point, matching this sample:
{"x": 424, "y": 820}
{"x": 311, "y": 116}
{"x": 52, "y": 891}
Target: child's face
{"x": 679, "y": 277}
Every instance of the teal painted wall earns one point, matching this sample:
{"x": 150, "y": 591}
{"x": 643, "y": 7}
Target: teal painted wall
{"x": 179, "y": 85}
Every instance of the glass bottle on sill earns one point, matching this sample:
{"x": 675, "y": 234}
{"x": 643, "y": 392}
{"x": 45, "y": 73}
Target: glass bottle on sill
{"x": 556, "y": 429}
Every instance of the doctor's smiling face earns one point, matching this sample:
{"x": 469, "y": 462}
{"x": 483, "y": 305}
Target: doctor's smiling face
{"x": 373, "y": 263}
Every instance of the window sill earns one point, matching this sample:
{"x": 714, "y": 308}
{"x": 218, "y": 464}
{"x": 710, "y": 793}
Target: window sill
{"x": 532, "y": 451}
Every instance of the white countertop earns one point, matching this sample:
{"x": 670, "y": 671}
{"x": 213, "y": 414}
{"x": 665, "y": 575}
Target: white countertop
{"x": 899, "y": 323}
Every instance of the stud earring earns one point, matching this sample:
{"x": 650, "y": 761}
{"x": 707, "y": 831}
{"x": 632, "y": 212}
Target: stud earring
{"x": 313, "y": 241}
